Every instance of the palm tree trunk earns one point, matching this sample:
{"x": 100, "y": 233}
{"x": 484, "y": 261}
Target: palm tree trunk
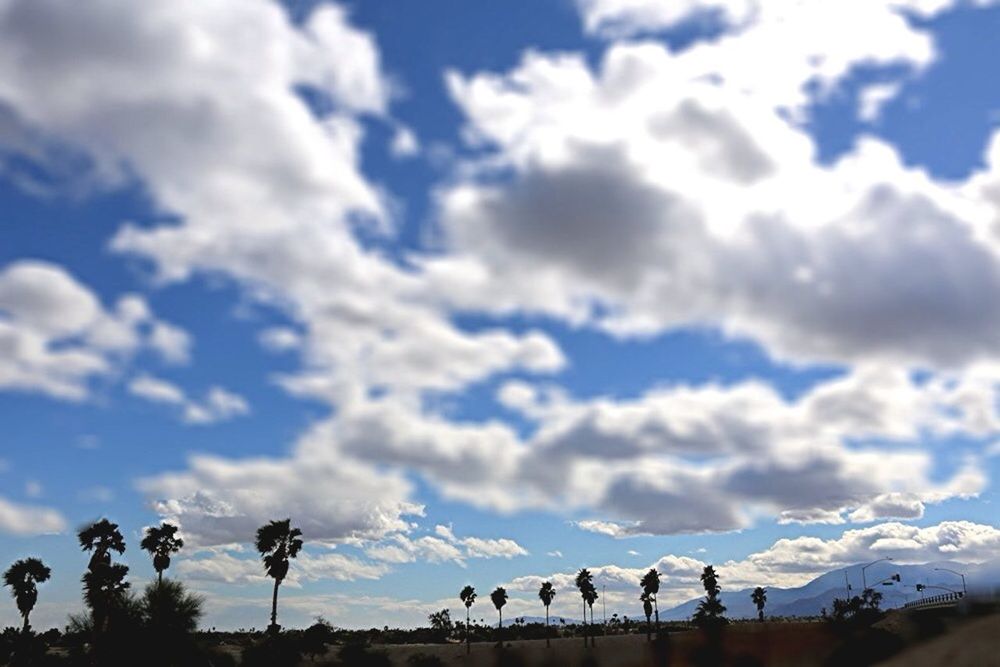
{"x": 760, "y": 615}
{"x": 468, "y": 640}
{"x": 593, "y": 628}
{"x": 500, "y": 629}
{"x": 274, "y": 607}
{"x": 585, "y": 624}
{"x": 159, "y": 575}
{"x": 656, "y": 611}
{"x": 27, "y": 625}
{"x": 649, "y": 629}
{"x": 548, "y": 643}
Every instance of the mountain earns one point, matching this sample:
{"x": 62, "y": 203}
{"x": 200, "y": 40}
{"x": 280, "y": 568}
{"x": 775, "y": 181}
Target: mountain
{"x": 810, "y": 599}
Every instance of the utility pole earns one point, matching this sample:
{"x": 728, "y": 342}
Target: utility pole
{"x": 604, "y": 607}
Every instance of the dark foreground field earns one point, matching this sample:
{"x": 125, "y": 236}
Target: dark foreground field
{"x": 902, "y": 640}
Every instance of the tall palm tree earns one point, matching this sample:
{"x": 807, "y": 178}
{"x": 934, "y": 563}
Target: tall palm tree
{"x": 545, "y": 594}
{"x": 759, "y": 597}
{"x": 650, "y": 583}
{"x": 499, "y": 598}
{"x": 101, "y": 537}
{"x": 585, "y": 583}
{"x": 467, "y": 596}
{"x": 277, "y": 542}
{"x": 591, "y": 597}
{"x": 104, "y": 583}
{"x": 23, "y": 577}
{"x": 647, "y": 609}
{"x": 160, "y": 542}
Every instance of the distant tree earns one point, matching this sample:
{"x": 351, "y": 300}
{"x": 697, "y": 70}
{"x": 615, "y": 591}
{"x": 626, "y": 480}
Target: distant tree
{"x": 23, "y": 577}
{"x": 759, "y": 598}
{"x": 499, "y": 598}
{"x": 647, "y": 609}
{"x": 585, "y": 584}
{"x": 546, "y": 593}
{"x": 871, "y": 598}
{"x": 650, "y": 583}
{"x": 277, "y": 542}
{"x": 468, "y": 597}
{"x": 160, "y": 542}
{"x": 441, "y": 623}
{"x": 710, "y": 612}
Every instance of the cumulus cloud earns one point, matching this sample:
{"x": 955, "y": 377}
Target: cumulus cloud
{"x": 230, "y": 568}
{"x": 218, "y": 404}
{"x": 56, "y": 336}
{"x": 23, "y": 520}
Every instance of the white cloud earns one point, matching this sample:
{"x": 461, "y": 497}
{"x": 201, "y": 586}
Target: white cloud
{"x": 873, "y": 98}
{"x": 56, "y": 336}
{"x": 218, "y": 404}
{"x": 24, "y": 520}
{"x": 443, "y": 546}
{"x": 225, "y": 567}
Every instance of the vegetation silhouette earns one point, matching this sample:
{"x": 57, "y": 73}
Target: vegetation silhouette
{"x": 23, "y": 578}
{"x": 277, "y": 542}
{"x": 499, "y": 598}
{"x": 585, "y": 583}
{"x": 650, "y": 583}
{"x": 647, "y": 609}
{"x": 710, "y": 617}
{"x": 161, "y": 541}
{"x": 468, "y": 597}
{"x": 759, "y": 598}
{"x": 546, "y": 593}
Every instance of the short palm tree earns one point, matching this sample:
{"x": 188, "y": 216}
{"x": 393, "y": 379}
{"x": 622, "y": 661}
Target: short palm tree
{"x": 585, "y": 583}
{"x": 277, "y": 542}
{"x": 467, "y": 596}
{"x": 160, "y": 542}
{"x": 759, "y": 597}
{"x": 499, "y": 598}
{"x": 591, "y": 597}
{"x": 545, "y": 594}
{"x": 23, "y": 577}
{"x": 650, "y": 583}
{"x": 104, "y": 583}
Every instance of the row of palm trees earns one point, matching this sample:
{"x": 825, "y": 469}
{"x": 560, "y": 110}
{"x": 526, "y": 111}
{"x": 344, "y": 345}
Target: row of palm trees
{"x": 278, "y": 542}
{"x": 104, "y": 582}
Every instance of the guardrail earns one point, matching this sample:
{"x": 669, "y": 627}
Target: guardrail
{"x": 943, "y": 600}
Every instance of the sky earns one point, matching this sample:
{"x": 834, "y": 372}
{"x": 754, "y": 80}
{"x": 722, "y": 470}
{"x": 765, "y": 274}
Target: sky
{"x": 488, "y": 292}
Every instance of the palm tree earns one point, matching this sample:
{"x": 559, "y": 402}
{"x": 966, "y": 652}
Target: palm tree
{"x": 585, "y": 583}
{"x": 277, "y": 542}
{"x": 650, "y": 583}
{"x": 467, "y": 596}
{"x": 759, "y": 597}
{"x": 545, "y": 594}
{"x": 160, "y": 542}
{"x": 23, "y": 577}
{"x": 499, "y": 597}
{"x": 104, "y": 583}
{"x": 102, "y": 538}
{"x": 647, "y": 609}
{"x": 710, "y": 612}
{"x": 591, "y": 597}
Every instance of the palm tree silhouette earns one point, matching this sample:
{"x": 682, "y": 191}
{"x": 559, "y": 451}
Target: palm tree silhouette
{"x": 277, "y": 542}
{"x": 647, "y": 609}
{"x": 650, "y": 583}
{"x": 591, "y": 597}
{"x": 759, "y": 597}
{"x": 160, "y": 542}
{"x": 499, "y": 597}
{"x": 585, "y": 583}
{"x": 710, "y": 611}
{"x": 104, "y": 583}
{"x": 22, "y": 578}
{"x": 102, "y": 538}
{"x": 467, "y": 596}
{"x": 545, "y": 594}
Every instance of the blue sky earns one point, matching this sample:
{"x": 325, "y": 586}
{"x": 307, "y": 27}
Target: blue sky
{"x": 487, "y": 292}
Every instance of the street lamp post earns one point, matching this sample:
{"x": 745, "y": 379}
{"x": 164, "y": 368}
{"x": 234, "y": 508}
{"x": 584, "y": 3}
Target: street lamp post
{"x": 864, "y": 581}
{"x": 944, "y": 569}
